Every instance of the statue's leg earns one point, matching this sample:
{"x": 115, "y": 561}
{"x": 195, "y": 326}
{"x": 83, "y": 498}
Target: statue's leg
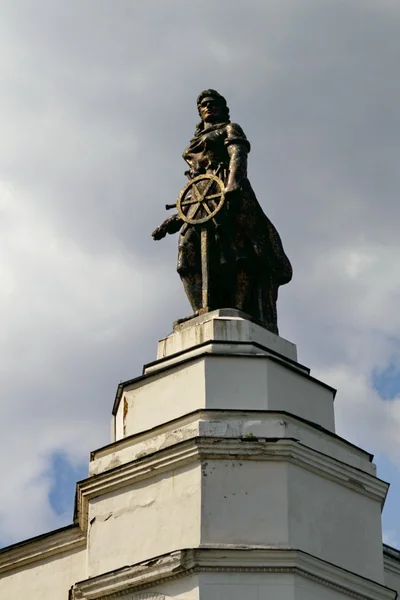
{"x": 243, "y": 289}
{"x": 192, "y": 284}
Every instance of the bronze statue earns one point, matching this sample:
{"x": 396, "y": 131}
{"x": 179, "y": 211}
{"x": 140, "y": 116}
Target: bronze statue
{"x": 230, "y": 254}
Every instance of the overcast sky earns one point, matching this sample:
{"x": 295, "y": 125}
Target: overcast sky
{"x": 97, "y": 103}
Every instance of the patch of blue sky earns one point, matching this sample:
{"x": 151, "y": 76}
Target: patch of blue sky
{"x": 387, "y": 382}
{"x": 64, "y": 476}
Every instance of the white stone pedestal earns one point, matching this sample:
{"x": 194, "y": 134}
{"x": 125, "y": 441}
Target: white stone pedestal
{"x": 225, "y": 479}
{"x": 227, "y": 442}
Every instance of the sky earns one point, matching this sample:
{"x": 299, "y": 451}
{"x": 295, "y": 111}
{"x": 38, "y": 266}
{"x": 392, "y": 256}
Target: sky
{"x": 97, "y": 103}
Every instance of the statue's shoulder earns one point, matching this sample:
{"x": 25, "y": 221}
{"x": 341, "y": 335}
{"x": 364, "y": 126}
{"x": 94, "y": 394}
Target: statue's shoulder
{"x": 236, "y": 135}
{"x": 235, "y": 129}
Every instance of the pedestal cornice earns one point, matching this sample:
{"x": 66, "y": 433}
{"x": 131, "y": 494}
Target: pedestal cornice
{"x": 230, "y": 423}
{"x": 228, "y": 559}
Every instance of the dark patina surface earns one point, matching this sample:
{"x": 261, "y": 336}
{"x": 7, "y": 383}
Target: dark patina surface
{"x": 230, "y": 254}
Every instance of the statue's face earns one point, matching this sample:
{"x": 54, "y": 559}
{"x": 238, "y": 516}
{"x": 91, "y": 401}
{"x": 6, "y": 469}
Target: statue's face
{"x": 210, "y": 110}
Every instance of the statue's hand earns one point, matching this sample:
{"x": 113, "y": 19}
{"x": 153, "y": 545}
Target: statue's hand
{"x": 231, "y": 190}
{"x": 170, "y": 225}
{"x": 160, "y": 232}
{"x": 231, "y": 194}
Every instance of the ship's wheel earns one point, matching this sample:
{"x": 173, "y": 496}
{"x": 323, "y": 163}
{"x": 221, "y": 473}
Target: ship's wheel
{"x": 201, "y": 199}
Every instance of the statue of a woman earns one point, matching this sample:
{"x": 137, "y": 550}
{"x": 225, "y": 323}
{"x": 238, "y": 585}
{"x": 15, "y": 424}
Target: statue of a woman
{"x": 247, "y": 263}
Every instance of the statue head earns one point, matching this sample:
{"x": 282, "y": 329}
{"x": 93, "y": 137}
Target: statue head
{"x": 212, "y": 108}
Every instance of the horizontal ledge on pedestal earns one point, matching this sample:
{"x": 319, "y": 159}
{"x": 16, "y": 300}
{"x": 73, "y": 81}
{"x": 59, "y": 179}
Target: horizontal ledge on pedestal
{"x": 217, "y": 347}
{"x": 230, "y": 423}
{"x": 217, "y": 448}
{"x": 226, "y": 413}
{"x": 229, "y": 559}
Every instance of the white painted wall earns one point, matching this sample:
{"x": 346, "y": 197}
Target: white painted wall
{"x": 335, "y": 523}
{"x": 250, "y": 502}
{"x": 274, "y": 586}
{"x": 162, "y": 398}
{"x": 49, "y": 579}
{"x": 244, "y": 502}
{"x": 263, "y": 586}
{"x": 262, "y": 384}
{"x": 153, "y": 517}
{"x": 246, "y": 586}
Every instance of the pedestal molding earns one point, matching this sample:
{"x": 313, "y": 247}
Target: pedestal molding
{"x": 211, "y": 414}
{"x": 224, "y": 347}
{"x": 200, "y": 448}
{"x": 229, "y": 559}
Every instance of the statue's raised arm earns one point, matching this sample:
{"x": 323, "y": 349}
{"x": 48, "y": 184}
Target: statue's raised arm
{"x": 230, "y": 254}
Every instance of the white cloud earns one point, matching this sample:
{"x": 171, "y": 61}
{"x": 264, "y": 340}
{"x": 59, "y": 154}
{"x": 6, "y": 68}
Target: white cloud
{"x": 65, "y": 311}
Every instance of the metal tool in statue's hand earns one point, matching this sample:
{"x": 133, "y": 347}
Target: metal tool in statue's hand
{"x": 207, "y": 198}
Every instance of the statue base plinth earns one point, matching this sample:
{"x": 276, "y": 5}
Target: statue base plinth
{"x": 227, "y": 331}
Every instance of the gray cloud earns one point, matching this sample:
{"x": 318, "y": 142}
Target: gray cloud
{"x": 97, "y": 103}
